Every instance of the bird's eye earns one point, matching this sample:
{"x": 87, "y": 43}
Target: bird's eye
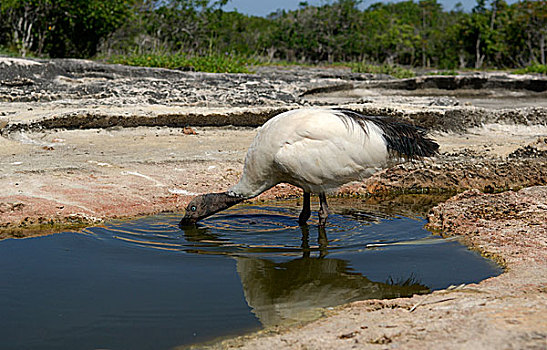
{"x": 193, "y": 208}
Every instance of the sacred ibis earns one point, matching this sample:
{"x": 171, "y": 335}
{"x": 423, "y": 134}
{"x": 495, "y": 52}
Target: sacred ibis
{"x": 317, "y": 150}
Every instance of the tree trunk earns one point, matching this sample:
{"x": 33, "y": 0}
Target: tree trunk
{"x": 531, "y": 49}
{"x": 542, "y": 47}
{"x": 423, "y": 41}
{"x": 493, "y": 18}
{"x": 423, "y": 54}
{"x": 271, "y": 53}
{"x": 461, "y": 57}
{"x": 390, "y": 60}
{"x": 22, "y": 25}
{"x": 479, "y": 59}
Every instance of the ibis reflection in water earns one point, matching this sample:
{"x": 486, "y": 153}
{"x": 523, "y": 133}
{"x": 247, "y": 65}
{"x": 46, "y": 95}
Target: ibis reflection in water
{"x": 299, "y": 289}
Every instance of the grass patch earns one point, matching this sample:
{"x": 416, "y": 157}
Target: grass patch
{"x": 5, "y": 51}
{"x": 10, "y": 51}
{"x": 443, "y": 72}
{"x": 393, "y": 70}
{"x": 262, "y": 61}
{"x": 357, "y": 67}
{"x": 534, "y": 68}
{"x": 212, "y": 63}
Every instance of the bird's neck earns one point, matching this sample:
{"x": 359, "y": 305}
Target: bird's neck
{"x": 219, "y": 201}
{"x": 249, "y": 187}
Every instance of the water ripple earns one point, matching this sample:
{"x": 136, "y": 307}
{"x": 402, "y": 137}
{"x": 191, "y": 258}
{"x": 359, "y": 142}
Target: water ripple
{"x": 265, "y": 229}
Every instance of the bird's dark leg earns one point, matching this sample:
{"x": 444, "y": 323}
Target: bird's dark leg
{"x": 323, "y": 242}
{"x": 305, "y": 241}
{"x": 306, "y": 211}
{"x": 323, "y": 210}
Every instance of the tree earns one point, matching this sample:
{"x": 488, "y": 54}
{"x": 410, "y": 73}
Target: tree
{"x": 29, "y": 22}
{"x": 62, "y": 28}
{"x": 407, "y": 32}
{"x": 531, "y": 18}
{"x": 432, "y": 23}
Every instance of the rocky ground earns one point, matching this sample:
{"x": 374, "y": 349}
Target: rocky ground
{"x": 83, "y": 142}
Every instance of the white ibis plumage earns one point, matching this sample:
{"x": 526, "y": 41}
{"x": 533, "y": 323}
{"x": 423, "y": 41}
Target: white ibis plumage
{"x": 317, "y": 150}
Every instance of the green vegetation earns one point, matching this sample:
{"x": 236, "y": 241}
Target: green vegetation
{"x": 393, "y": 70}
{"x": 444, "y": 72}
{"x": 61, "y": 28}
{"x": 199, "y": 33}
{"x": 5, "y": 51}
{"x": 535, "y": 68}
{"x": 214, "y": 63}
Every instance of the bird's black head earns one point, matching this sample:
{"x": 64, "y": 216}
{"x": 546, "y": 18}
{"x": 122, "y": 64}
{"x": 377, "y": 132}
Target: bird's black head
{"x": 194, "y": 211}
{"x": 206, "y": 205}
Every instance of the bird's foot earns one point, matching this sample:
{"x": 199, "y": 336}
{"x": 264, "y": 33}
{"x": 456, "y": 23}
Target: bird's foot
{"x": 323, "y": 216}
{"x": 323, "y": 212}
{"x": 323, "y": 220}
{"x": 302, "y": 220}
{"x": 323, "y": 242}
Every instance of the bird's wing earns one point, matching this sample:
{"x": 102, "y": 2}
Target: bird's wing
{"x": 324, "y": 153}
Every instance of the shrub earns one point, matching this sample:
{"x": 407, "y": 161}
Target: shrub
{"x": 534, "y": 68}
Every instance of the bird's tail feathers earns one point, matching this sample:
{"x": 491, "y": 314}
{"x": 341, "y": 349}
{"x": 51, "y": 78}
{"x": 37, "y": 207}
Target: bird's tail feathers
{"x": 401, "y": 138}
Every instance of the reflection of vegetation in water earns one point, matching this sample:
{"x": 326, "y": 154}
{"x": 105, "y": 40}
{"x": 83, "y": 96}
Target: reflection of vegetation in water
{"x": 296, "y": 290}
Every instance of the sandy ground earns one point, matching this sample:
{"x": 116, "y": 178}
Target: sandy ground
{"x": 73, "y": 160}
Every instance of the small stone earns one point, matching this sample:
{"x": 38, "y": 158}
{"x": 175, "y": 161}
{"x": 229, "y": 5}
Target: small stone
{"x": 188, "y": 131}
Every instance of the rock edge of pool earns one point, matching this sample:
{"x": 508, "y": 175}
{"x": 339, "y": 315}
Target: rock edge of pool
{"x": 62, "y": 122}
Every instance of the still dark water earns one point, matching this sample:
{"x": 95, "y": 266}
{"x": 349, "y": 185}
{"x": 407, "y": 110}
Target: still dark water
{"x": 146, "y": 284}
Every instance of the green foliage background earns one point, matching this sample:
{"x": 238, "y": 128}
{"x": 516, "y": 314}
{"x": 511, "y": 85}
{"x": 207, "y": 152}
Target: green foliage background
{"x": 199, "y": 35}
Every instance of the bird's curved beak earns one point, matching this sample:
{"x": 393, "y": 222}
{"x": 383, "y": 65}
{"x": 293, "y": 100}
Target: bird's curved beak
{"x": 187, "y": 221}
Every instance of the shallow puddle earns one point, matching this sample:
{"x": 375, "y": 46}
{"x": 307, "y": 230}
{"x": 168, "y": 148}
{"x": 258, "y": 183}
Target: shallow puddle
{"x": 146, "y": 284}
